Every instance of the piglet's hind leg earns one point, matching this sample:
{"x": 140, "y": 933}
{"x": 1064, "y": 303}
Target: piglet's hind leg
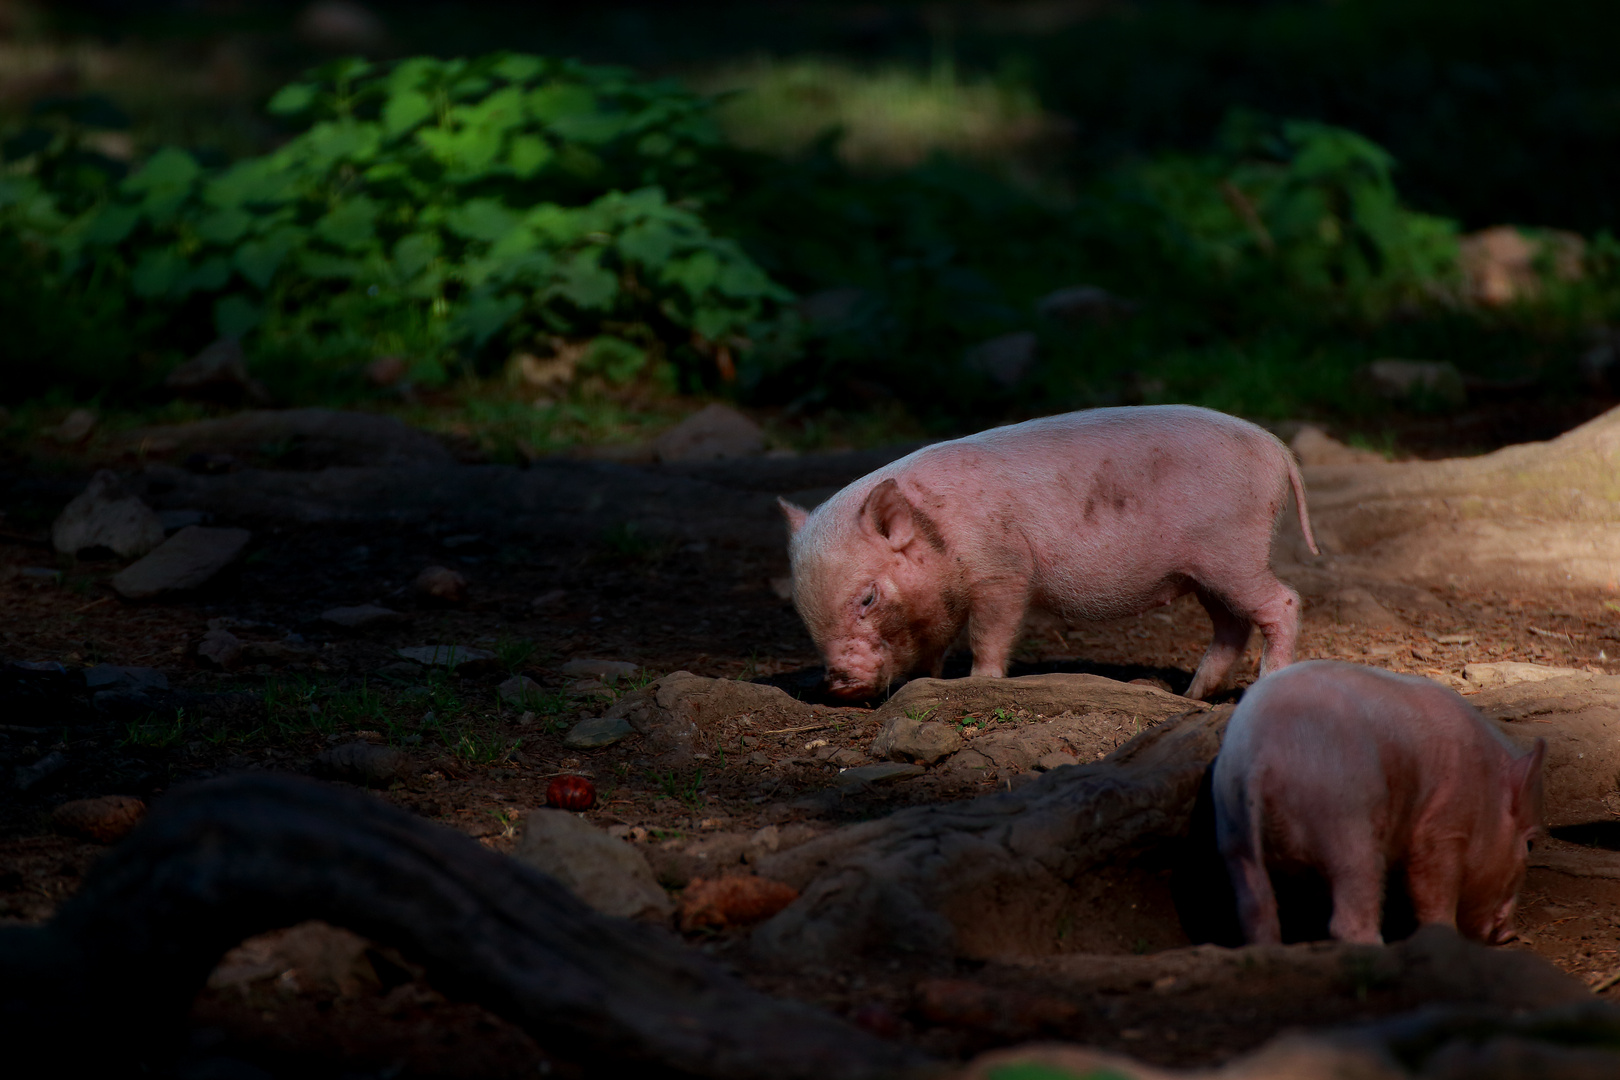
{"x": 1225, "y": 648}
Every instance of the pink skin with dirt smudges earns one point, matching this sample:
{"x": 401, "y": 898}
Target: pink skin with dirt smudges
{"x": 1349, "y": 771}
{"x": 1089, "y": 515}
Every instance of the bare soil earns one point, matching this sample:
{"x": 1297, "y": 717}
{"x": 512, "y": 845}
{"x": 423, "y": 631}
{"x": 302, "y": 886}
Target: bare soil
{"x": 479, "y": 765}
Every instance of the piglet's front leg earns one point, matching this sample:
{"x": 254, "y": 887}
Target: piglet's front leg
{"x": 997, "y": 616}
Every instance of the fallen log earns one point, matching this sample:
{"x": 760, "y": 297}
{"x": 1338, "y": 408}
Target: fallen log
{"x": 228, "y": 859}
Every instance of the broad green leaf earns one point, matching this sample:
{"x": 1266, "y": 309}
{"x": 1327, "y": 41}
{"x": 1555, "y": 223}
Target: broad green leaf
{"x": 208, "y": 276}
{"x": 518, "y": 67}
{"x": 650, "y": 243}
{"x": 257, "y": 181}
{"x": 339, "y": 141}
{"x": 696, "y": 273}
{"x": 318, "y": 264}
{"x": 559, "y": 224}
{"x": 167, "y": 170}
{"x": 351, "y": 224}
{"x": 405, "y": 109}
{"x": 111, "y": 224}
{"x": 258, "y": 260}
{"x": 224, "y": 226}
{"x": 235, "y": 315}
{"x": 552, "y": 102}
{"x": 415, "y": 253}
{"x": 292, "y": 99}
{"x": 713, "y": 322}
{"x": 482, "y": 219}
{"x": 156, "y": 272}
{"x": 592, "y": 128}
{"x": 616, "y": 358}
{"x": 484, "y": 313}
{"x": 742, "y": 279}
{"x": 528, "y": 154}
{"x": 584, "y": 282}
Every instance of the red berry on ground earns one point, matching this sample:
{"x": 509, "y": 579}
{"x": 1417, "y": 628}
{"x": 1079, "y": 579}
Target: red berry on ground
{"x": 571, "y": 793}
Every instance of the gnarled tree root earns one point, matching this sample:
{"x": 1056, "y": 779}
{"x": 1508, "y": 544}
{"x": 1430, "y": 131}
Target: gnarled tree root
{"x": 994, "y": 875}
{"x": 227, "y": 859}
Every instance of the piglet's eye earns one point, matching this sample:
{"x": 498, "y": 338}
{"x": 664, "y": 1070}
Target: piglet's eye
{"x": 869, "y": 598}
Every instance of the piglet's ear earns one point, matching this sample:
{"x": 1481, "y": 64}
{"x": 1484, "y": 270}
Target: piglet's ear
{"x": 1526, "y": 780}
{"x": 796, "y": 515}
{"x": 890, "y": 515}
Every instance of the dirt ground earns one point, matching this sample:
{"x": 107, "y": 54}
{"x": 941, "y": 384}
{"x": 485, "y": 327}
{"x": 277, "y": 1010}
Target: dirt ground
{"x": 702, "y": 608}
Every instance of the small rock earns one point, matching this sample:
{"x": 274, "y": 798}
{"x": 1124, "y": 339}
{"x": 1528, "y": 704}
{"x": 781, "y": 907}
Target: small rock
{"x": 609, "y": 671}
{"x": 362, "y": 763}
{"x": 1313, "y": 446}
{"x": 758, "y": 758}
{"x": 608, "y": 874}
{"x": 927, "y": 741}
{"x": 361, "y": 616}
{"x": 219, "y": 372}
{"x": 878, "y": 774}
{"x": 112, "y": 676}
{"x": 1501, "y": 263}
{"x": 186, "y": 560}
{"x": 446, "y": 655}
{"x": 1055, "y": 760}
{"x": 27, "y": 776}
{"x": 1511, "y": 673}
{"x": 598, "y": 732}
{"x": 106, "y": 515}
{"x": 520, "y": 690}
{"x": 847, "y": 758}
{"x": 76, "y": 427}
{"x": 341, "y": 25}
{"x": 714, "y": 432}
{"x": 221, "y": 648}
{"x": 1005, "y": 359}
{"x": 1401, "y": 379}
{"x": 441, "y": 585}
{"x": 1083, "y": 303}
{"x": 385, "y": 371}
{"x": 106, "y": 820}
{"x": 732, "y": 900}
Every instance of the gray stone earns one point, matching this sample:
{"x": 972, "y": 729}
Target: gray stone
{"x": 608, "y": 874}
{"x": 446, "y": 655}
{"x": 110, "y": 676}
{"x": 362, "y": 763}
{"x": 221, "y": 648}
{"x": 440, "y": 585}
{"x": 598, "y": 732}
{"x": 1400, "y": 379}
{"x": 106, "y": 515}
{"x": 878, "y": 774}
{"x": 220, "y": 370}
{"x": 186, "y": 560}
{"x": 906, "y": 739}
{"x": 361, "y": 616}
{"x": 76, "y": 427}
{"x": 608, "y": 671}
{"x": 1083, "y": 303}
{"x": 1005, "y": 359}
{"x": 26, "y": 776}
{"x": 519, "y": 690}
{"x": 716, "y": 431}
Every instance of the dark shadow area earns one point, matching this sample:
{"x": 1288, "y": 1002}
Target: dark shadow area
{"x": 1597, "y": 834}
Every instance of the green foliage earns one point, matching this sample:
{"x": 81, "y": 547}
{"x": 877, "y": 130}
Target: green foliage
{"x": 436, "y": 208}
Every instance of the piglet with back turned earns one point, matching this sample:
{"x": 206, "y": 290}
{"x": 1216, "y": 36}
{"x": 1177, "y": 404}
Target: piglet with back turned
{"x": 1349, "y": 771}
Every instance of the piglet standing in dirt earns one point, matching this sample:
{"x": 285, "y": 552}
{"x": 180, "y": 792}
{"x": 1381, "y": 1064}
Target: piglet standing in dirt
{"x": 1348, "y": 771}
{"x": 1089, "y": 515}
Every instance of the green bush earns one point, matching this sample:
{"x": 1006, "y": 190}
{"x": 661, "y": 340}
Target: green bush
{"x": 438, "y": 209}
